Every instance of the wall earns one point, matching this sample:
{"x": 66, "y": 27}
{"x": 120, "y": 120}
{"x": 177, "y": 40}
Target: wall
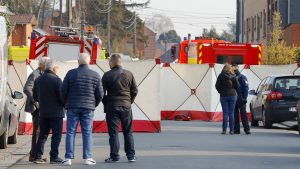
{"x": 292, "y": 35}
{"x": 150, "y": 47}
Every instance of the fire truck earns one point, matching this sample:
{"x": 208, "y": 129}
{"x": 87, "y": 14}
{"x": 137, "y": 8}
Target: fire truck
{"x": 66, "y": 45}
{"x": 204, "y": 50}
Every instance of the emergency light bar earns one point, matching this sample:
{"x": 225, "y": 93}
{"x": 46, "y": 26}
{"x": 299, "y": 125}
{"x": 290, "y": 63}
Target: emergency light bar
{"x": 65, "y": 31}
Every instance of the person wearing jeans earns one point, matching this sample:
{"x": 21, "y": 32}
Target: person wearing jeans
{"x": 120, "y": 91}
{"x": 82, "y": 92}
{"x": 85, "y": 117}
{"x": 226, "y": 85}
{"x": 228, "y": 106}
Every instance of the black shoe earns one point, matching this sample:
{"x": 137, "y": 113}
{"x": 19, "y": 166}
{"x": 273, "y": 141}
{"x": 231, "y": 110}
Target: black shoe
{"x": 39, "y": 161}
{"x": 31, "y": 159}
{"x": 111, "y": 160}
{"x": 231, "y": 133}
{"x": 132, "y": 160}
{"x": 223, "y": 132}
{"x": 237, "y": 132}
{"x": 56, "y": 161}
{"x": 247, "y": 132}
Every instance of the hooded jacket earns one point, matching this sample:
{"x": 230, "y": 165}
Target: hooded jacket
{"x": 244, "y": 85}
{"x": 227, "y": 84}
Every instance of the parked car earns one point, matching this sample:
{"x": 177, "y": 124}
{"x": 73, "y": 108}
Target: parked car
{"x": 298, "y": 109}
{"x": 275, "y": 100}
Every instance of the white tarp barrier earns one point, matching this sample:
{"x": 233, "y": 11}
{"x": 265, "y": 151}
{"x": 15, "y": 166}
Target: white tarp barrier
{"x": 204, "y": 103}
{"x": 180, "y": 90}
{"x": 169, "y": 90}
{"x": 146, "y": 109}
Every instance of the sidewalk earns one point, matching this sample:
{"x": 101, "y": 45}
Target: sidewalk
{"x": 15, "y": 152}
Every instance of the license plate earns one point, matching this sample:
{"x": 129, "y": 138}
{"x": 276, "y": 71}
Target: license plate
{"x": 293, "y": 109}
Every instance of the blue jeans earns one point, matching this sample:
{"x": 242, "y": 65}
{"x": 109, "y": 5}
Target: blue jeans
{"x": 85, "y": 117}
{"x": 228, "y": 105}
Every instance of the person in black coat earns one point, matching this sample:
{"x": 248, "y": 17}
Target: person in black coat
{"x": 240, "y": 108}
{"x": 46, "y": 92}
{"x": 226, "y": 85}
{"x": 120, "y": 91}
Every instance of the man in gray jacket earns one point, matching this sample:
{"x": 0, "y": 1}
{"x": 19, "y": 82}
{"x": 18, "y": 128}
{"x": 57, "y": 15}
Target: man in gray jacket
{"x": 32, "y": 106}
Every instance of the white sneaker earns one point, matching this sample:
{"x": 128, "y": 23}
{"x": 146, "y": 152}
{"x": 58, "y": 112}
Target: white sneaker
{"x": 66, "y": 162}
{"x": 90, "y": 161}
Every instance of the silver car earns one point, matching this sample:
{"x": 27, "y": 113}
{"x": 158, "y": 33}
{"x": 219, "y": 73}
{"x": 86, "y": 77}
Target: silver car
{"x": 9, "y": 118}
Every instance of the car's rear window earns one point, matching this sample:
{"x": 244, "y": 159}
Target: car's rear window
{"x": 287, "y": 83}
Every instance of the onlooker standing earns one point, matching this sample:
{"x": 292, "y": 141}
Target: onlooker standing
{"x": 82, "y": 92}
{"x": 226, "y": 85}
{"x": 32, "y": 106}
{"x": 46, "y": 92}
{"x": 240, "y": 108}
{"x": 120, "y": 91}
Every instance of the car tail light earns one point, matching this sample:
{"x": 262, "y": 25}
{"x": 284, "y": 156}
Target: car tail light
{"x": 274, "y": 96}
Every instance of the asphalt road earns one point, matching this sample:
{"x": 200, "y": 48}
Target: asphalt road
{"x": 195, "y": 145}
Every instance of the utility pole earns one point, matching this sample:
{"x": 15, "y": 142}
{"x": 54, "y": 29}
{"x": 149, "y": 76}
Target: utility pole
{"x": 82, "y": 9}
{"x": 69, "y": 8}
{"x": 134, "y": 36}
{"x": 108, "y": 28}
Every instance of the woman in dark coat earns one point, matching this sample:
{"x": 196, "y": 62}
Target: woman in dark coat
{"x": 226, "y": 85}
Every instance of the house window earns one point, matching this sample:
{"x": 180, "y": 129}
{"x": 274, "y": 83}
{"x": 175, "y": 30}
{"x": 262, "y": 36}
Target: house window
{"x": 248, "y": 29}
{"x": 258, "y": 28}
{"x": 253, "y": 27}
{"x": 261, "y": 20}
{"x": 265, "y": 23}
{"x": 269, "y": 10}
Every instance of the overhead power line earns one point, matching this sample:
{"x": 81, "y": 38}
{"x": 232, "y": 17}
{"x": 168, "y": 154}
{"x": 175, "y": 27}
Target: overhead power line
{"x": 98, "y": 9}
{"x": 187, "y": 12}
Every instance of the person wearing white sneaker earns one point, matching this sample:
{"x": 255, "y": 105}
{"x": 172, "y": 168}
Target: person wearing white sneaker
{"x": 82, "y": 92}
{"x": 67, "y": 162}
{"x": 90, "y": 161}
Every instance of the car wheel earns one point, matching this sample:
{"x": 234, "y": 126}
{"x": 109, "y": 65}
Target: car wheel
{"x": 266, "y": 120}
{"x": 254, "y": 123}
{"x": 4, "y": 139}
{"x": 13, "y": 139}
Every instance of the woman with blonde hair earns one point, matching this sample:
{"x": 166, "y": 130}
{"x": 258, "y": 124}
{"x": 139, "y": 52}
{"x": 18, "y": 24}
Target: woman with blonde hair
{"x": 226, "y": 85}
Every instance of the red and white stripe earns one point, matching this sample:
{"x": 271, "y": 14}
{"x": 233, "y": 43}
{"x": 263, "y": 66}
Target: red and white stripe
{"x": 88, "y": 46}
{"x": 40, "y": 47}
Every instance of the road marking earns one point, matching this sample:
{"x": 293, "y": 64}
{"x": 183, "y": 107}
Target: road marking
{"x": 171, "y": 153}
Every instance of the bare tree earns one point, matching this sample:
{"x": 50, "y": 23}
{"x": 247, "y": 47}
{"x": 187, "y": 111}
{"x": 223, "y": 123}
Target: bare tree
{"x": 30, "y": 6}
{"x": 160, "y": 23}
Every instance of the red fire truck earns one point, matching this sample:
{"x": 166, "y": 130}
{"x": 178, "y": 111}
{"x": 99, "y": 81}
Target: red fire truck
{"x": 203, "y": 50}
{"x": 64, "y": 46}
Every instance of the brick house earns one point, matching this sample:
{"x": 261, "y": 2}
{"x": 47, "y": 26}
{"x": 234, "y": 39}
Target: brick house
{"x": 150, "y": 47}
{"x": 255, "y": 20}
{"x": 23, "y": 26}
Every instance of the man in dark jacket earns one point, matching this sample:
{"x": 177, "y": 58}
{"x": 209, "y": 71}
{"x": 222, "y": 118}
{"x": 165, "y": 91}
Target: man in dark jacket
{"x": 32, "y": 107}
{"x": 82, "y": 92}
{"x": 120, "y": 91}
{"x": 46, "y": 92}
{"x": 240, "y": 108}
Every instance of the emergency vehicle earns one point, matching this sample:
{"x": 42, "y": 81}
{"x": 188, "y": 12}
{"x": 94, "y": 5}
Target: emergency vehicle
{"x": 64, "y": 46}
{"x": 204, "y": 50}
